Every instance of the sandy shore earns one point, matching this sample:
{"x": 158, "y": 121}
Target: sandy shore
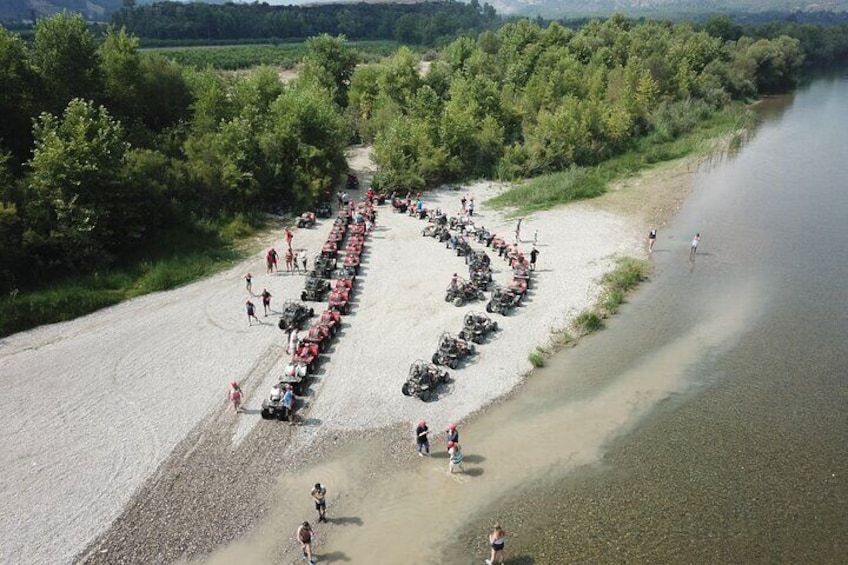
{"x": 105, "y": 402}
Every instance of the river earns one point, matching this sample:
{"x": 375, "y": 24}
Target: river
{"x": 707, "y": 424}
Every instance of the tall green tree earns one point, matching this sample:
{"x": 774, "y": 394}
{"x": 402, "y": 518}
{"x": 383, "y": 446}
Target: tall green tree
{"x": 17, "y": 95}
{"x": 329, "y": 64}
{"x": 65, "y": 56}
{"x": 120, "y": 63}
{"x": 76, "y": 183}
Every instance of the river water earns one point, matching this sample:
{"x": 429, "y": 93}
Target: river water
{"x": 707, "y": 424}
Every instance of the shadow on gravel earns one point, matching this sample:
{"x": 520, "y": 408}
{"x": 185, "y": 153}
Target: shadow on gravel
{"x": 344, "y": 521}
{"x": 332, "y": 557}
{"x": 473, "y": 458}
{"x": 521, "y": 560}
{"x": 310, "y": 422}
{"x": 475, "y": 472}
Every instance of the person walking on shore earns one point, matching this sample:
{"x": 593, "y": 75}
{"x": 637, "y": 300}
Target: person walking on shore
{"x": 319, "y": 493}
{"x": 421, "y": 438}
{"x": 235, "y": 395}
{"x": 497, "y": 541}
{"x": 304, "y": 536}
{"x": 455, "y": 455}
{"x": 266, "y": 300}
{"x": 248, "y": 282}
{"x": 693, "y": 248}
{"x": 271, "y": 261}
{"x": 652, "y": 238}
{"x": 518, "y": 230}
{"x": 251, "y": 312}
{"x": 289, "y": 260}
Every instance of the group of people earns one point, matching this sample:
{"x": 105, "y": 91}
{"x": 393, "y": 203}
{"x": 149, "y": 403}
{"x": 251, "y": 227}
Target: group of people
{"x": 305, "y": 533}
{"x": 422, "y": 441}
{"x": 467, "y": 206}
{"x": 693, "y": 246}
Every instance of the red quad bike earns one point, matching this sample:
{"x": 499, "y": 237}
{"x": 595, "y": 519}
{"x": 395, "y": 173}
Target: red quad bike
{"x": 338, "y": 301}
{"x": 518, "y": 286}
{"x": 352, "y": 261}
{"x": 336, "y": 235}
{"x": 354, "y": 246}
{"x": 303, "y": 361}
{"x": 343, "y": 284}
{"x": 358, "y": 229}
{"x": 306, "y": 220}
{"x": 331, "y": 320}
{"x": 318, "y": 335}
{"x": 329, "y": 249}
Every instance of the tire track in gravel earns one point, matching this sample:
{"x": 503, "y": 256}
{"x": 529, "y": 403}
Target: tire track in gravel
{"x": 206, "y": 494}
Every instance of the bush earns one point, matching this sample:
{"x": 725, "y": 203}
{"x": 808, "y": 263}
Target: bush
{"x": 537, "y": 358}
{"x": 589, "y": 322}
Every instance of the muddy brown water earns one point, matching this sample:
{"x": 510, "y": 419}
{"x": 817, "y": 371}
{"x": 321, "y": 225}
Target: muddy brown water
{"x": 707, "y": 424}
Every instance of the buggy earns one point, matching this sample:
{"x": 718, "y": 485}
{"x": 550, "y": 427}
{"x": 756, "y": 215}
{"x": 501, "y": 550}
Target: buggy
{"x": 294, "y": 314}
{"x": 452, "y": 350}
{"x": 502, "y": 301}
{"x": 475, "y": 327}
{"x": 463, "y": 292}
{"x": 315, "y": 289}
{"x": 423, "y": 379}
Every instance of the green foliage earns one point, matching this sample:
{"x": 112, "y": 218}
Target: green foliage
{"x": 589, "y": 322}
{"x": 549, "y": 190}
{"x": 617, "y": 284}
{"x": 329, "y": 64}
{"x": 65, "y": 56}
{"x": 537, "y": 358}
{"x": 18, "y": 95}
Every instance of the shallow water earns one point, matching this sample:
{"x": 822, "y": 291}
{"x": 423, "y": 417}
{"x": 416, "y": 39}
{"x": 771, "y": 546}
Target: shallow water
{"x": 708, "y": 423}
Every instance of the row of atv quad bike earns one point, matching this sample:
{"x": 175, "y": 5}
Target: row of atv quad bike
{"x": 322, "y": 280}
{"x": 424, "y": 378}
{"x": 457, "y": 231}
{"x": 504, "y": 298}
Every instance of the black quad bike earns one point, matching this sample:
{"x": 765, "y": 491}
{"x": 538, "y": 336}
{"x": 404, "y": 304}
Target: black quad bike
{"x": 315, "y": 289}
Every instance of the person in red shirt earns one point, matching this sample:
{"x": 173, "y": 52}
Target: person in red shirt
{"x": 271, "y": 260}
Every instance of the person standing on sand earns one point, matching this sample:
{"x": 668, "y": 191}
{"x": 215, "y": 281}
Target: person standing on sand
{"x": 471, "y": 207}
{"x": 693, "y": 249}
{"x": 235, "y": 395}
{"x": 534, "y": 253}
{"x": 248, "y": 282}
{"x": 462, "y": 202}
{"x": 652, "y": 238}
{"x": 518, "y": 230}
{"x": 289, "y": 237}
{"x": 288, "y": 403}
{"x": 271, "y": 260}
{"x": 251, "y": 312}
{"x": 319, "y": 492}
{"x": 292, "y": 346}
{"x": 289, "y": 260}
{"x": 421, "y": 439}
{"x": 497, "y": 541}
{"x": 266, "y": 300}
{"x": 455, "y": 455}
{"x": 302, "y": 258}
{"x": 304, "y": 536}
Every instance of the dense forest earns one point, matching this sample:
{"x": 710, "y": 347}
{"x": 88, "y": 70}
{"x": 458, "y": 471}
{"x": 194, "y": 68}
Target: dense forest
{"x": 424, "y": 23}
{"x": 106, "y": 150}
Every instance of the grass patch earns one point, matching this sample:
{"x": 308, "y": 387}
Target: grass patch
{"x": 589, "y": 321}
{"x": 537, "y": 357}
{"x": 579, "y": 183}
{"x": 175, "y": 258}
{"x": 629, "y": 273}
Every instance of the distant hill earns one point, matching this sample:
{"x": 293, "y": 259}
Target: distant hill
{"x": 17, "y": 10}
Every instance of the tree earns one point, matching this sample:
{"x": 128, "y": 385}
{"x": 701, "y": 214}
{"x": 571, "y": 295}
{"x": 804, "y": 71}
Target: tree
{"x": 120, "y": 63}
{"x": 65, "y": 56}
{"x": 77, "y": 182}
{"x": 17, "y": 95}
{"x": 329, "y": 63}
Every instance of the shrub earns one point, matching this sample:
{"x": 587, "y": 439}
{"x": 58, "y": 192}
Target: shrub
{"x": 589, "y": 322}
{"x": 537, "y": 358}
